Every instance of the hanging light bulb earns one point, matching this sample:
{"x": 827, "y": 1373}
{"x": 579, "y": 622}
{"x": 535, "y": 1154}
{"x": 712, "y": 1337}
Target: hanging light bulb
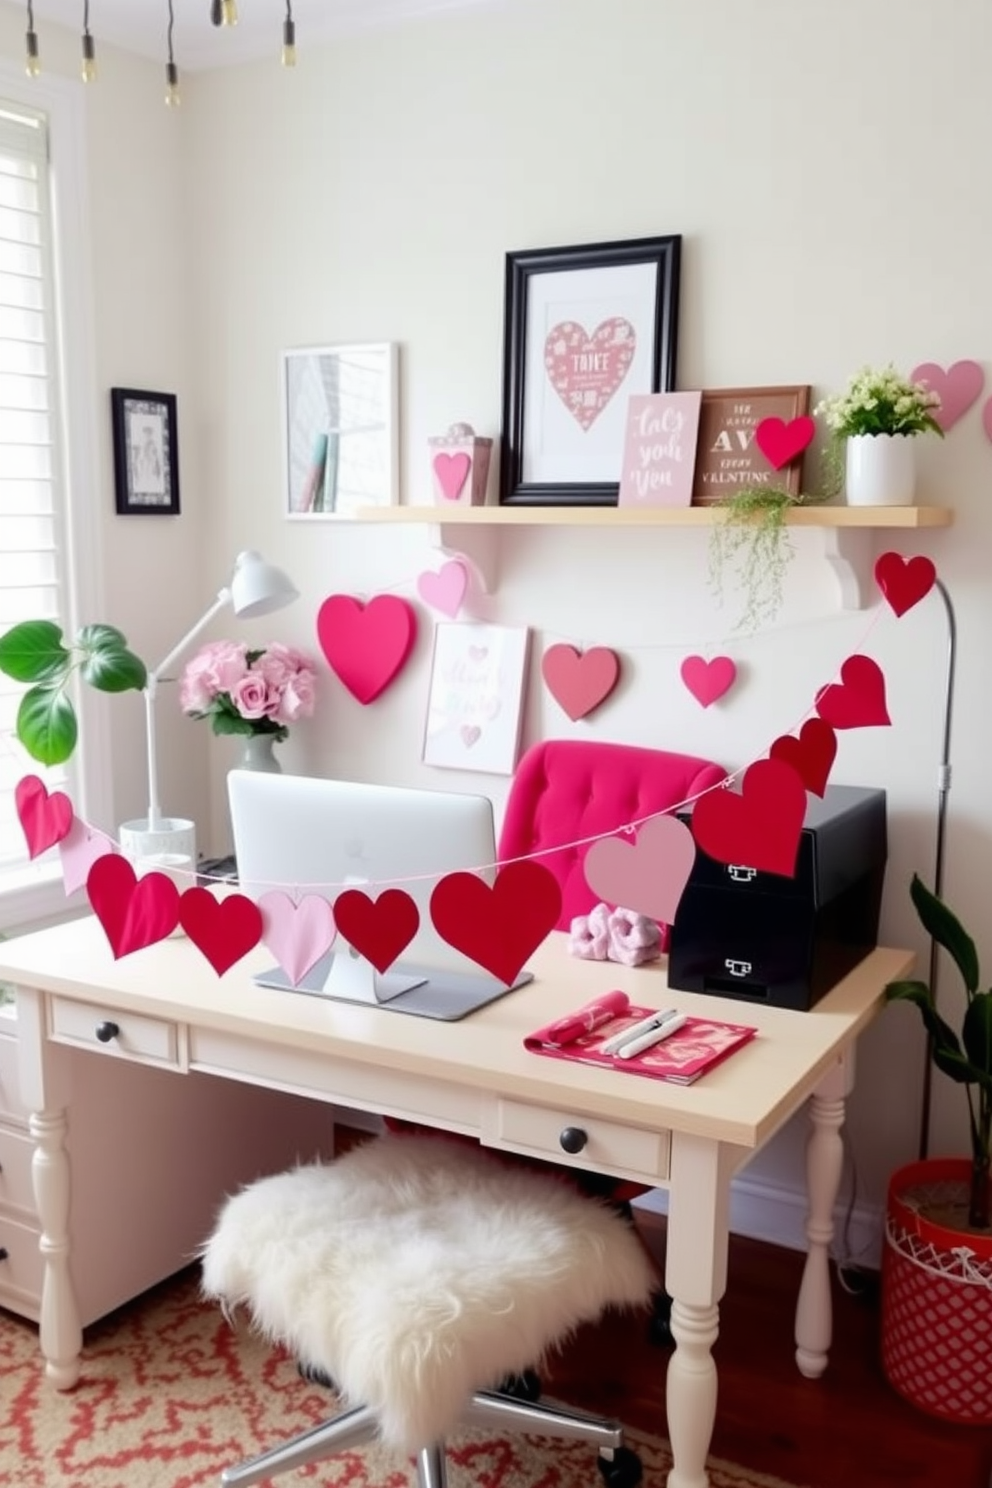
{"x": 289, "y": 37}
{"x": 228, "y": 12}
{"x": 32, "y": 64}
{"x": 172, "y": 95}
{"x": 88, "y": 69}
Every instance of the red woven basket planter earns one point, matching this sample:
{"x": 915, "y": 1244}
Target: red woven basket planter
{"x": 936, "y": 1300}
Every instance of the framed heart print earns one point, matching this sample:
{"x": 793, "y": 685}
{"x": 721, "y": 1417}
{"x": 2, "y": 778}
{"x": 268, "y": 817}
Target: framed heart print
{"x": 583, "y": 329}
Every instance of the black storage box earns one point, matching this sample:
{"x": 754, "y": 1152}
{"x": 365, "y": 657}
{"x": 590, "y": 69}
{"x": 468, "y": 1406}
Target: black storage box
{"x": 740, "y": 932}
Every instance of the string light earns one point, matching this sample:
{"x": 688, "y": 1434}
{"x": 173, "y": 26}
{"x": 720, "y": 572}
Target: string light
{"x": 173, "y": 97}
{"x": 32, "y": 64}
{"x": 289, "y": 37}
{"x": 88, "y": 69}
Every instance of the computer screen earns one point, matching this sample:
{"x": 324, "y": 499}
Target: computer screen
{"x": 308, "y": 835}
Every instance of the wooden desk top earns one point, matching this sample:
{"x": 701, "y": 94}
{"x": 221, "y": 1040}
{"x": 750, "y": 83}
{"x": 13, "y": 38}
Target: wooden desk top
{"x": 741, "y": 1102}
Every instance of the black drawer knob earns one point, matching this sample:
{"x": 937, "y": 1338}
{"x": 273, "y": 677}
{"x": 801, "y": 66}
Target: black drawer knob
{"x": 4, "y": 1253}
{"x": 106, "y": 1031}
{"x": 573, "y": 1139}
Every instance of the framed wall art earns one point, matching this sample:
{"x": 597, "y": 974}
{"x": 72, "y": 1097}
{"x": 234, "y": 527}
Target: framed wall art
{"x": 727, "y": 457}
{"x": 584, "y": 329}
{"x": 476, "y": 696}
{"x": 340, "y": 429}
{"x": 146, "y": 452}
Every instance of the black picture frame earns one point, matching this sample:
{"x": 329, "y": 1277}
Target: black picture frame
{"x": 544, "y": 418}
{"x": 146, "y": 452}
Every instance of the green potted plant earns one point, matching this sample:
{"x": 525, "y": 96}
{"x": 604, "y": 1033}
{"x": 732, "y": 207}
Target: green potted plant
{"x": 875, "y": 421}
{"x": 937, "y": 1261}
{"x": 35, "y": 652}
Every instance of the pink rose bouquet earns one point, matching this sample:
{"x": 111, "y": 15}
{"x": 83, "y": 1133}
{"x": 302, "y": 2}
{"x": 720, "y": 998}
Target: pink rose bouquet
{"x": 244, "y": 691}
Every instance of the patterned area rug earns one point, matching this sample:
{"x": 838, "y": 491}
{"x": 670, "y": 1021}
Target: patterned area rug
{"x": 171, "y": 1394}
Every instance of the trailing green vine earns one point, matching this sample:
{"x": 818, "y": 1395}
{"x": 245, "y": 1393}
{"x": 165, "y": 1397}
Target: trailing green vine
{"x": 750, "y": 546}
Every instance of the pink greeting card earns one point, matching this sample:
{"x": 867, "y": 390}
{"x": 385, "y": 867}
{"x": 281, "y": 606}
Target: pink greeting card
{"x": 659, "y": 455}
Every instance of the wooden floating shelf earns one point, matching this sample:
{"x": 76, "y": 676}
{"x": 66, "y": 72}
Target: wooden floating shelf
{"x": 659, "y": 516}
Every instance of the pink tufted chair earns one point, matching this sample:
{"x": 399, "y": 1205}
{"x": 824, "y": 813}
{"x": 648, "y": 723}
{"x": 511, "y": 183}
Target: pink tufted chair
{"x": 565, "y": 790}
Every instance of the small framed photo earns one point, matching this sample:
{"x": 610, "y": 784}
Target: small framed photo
{"x": 727, "y": 457}
{"x": 584, "y": 329}
{"x": 340, "y": 429}
{"x": 146, "y": 452}
{"x": 475, "y": 698}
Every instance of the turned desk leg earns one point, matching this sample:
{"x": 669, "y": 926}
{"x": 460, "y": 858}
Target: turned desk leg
{"x": 695, "y": 1278}
{"x": 824, "y": 1166}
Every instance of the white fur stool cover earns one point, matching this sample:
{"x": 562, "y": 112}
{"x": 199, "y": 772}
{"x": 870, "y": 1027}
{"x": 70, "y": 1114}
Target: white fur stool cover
{"x": 416, "y": 1270}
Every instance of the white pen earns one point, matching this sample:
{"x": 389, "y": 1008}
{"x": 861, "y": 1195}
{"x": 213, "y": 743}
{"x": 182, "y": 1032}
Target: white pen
{"x": 654, "y": 1020}
{"x": 652, "y": 1037}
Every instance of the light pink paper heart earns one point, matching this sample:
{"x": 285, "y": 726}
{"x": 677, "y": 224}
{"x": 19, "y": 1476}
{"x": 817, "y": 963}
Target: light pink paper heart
{"x": 445, "y": 589}
{"x": 708, "y": 680}
{"x": 580, "y": 681}
{"x": 296, "y": 934}
{"x": 471, "y": 734}
{"x": 647, "y": 876}
{"x": 586, "y": 370}
{"x": 959, "y": 387}
{"x": 79, "y": 850}
{"x": 452, "y": 473}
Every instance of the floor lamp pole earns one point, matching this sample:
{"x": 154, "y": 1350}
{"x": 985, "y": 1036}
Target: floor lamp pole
{"x": 943, "y": 789}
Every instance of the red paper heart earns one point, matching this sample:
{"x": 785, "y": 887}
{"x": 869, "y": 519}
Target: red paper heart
{"x": 759, "y": 828}
{"x": 811, "y": 755}
{"x": 904, "y": 583}
{"x": 782, "y": 442}
{"x": 958, "y": 388}
{"x": 134, "y": 912}
{"x": 708, "y": 680}
{"x": 580, "y": 680}
{"x": 858, "y": 699}
{"x": 366, "y": 645}
{"x": 45, "y": 819}
{"x": 498, "y": 927}
{"x": 379, "y": 929}
{"x": 223, "y": 929}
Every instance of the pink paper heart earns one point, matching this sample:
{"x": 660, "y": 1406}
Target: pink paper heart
{"x": 471, "y": 734}
{"x": 959, "y": 387}
{"x": 78, "y": 851}
{"x": 45, "y": 819}
{"x": 445, "y": 589}
{"x": 452, "y": 473}
{"x": 708, "y": 680}
{"x": 296, "y": 934}
{"x": 366, "y": 645}
{"x": 782, "y": 442}
{"x": 647, "y": 876}
{"x": 586, "y": 370}
{"x": 580, "y": 681}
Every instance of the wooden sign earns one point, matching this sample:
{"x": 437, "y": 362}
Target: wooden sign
{"x": 728, "y": 459}
{"x": 659, "y": 449}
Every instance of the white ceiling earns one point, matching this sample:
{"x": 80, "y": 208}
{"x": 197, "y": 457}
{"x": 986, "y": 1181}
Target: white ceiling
{"x": 141, "y": 25}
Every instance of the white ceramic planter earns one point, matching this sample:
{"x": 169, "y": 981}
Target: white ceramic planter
{"x": 880, "y": 470}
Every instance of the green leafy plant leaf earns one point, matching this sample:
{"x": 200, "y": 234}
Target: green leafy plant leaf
{"x": 114, "y": 670}
{"x": 946, "y": 929}
{"x": 46, "y": 725}
{"x": 33, "y": 651}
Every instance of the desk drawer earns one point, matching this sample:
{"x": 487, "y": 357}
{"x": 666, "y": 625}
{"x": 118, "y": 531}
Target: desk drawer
{"x": 22, "y": 1268}
{"x": 621, "y": 1151}
{"x": 139, "y": 1039}
{"x": 16, "y": 1152}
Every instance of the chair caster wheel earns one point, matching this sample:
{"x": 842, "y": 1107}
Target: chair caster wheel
{"x": 622, "y": 1470}
{"x": 526, "y": 1387}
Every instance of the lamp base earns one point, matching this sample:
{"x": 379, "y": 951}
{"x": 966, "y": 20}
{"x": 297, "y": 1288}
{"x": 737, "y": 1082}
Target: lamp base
{"x": 173, "y": 835}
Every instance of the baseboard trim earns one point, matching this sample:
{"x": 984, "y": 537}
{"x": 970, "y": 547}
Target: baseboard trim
{"x": 770, "y": 1212}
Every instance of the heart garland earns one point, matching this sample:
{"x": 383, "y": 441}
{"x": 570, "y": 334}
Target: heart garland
{"x": 498, "y": 927}
{"x": 78, "y": 851}
{"x": 445, "y": 589}
{"x": 647, "y": 875}
{"x": 134, "y": 912}
{"x": 580, "y": 680}
{"x": 811, "y": 755}
{"x": 223, "y": 929}
{"x": 366, "y": 645}
{"x": 904, "y": 583}
{"x": 858, "y": 699}
{"x": 759, "y": 827}
{"x": 379, "y": 929}
{"x": 45, "y": 819}
{"x": 297, "y": 934}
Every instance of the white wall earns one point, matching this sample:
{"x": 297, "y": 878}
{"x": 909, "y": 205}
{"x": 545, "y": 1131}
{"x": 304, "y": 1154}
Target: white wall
{"x": 826, "y": 167}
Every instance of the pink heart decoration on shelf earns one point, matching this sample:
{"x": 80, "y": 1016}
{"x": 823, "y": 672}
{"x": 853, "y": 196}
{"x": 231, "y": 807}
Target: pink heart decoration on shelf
{"x": 647, "y": 876}
{"x": 959, "y": 387}
{"x": 580, "y": 680}
{"x": 134, "y": 912}
{"x": 782, "y": 442}
{"x": 79, "y": 850}
{"x": 586, "y": 370}
{"x": 366, "y": 645}
{"x": 445, "y": 589}
{"x": 708, "y": 680}
{"x": 45, "y": 819}
{"x": 224, "y": 930}
{"x": 761, "y": 826}
{"x": 296, "y": 934}
{"x": 858, "y": 699}
{"x": 904, "y": 583}
{"x": 452, "y": 473}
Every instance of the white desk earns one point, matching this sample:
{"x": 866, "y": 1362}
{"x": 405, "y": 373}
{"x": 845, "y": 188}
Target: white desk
{"x": 173, "y": 1012}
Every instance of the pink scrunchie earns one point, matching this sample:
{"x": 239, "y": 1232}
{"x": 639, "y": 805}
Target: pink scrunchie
{"x": 589, "y": 935}
{"x": 633, "y": 938}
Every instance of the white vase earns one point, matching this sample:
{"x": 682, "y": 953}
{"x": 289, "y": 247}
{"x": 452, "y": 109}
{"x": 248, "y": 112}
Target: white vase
{"x": 258, "y": 754}
{"x": 880, "y": 470}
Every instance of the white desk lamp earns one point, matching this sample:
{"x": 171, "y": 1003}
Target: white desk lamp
{"x": 256, "y": 588}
